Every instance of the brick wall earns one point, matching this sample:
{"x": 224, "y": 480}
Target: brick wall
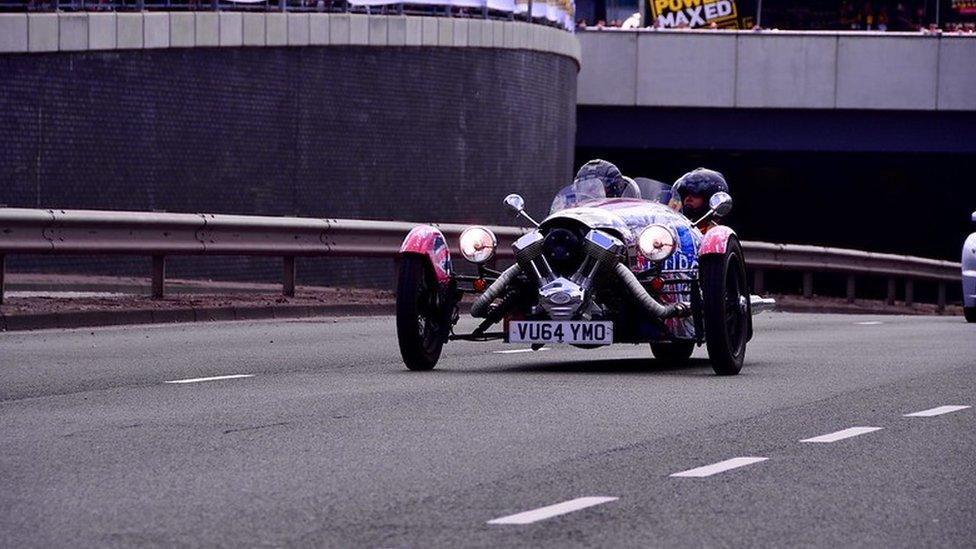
{"x": 439, "y": 134}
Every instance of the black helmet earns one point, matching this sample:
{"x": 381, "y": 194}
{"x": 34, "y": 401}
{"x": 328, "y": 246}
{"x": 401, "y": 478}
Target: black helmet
{"x": 700, "y": 181}
{"x": 613, "y": 181}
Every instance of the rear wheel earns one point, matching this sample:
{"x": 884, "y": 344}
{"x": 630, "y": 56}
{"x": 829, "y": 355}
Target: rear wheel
{"x": 419, "y": 319}
{"x": 675, "y": 352}
{"x": 725, "y": 304}
{"x": 970, "y": 313}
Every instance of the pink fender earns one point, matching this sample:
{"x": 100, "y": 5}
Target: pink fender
{"x": 715, "y": 240}
{"x": 430, "y": 242}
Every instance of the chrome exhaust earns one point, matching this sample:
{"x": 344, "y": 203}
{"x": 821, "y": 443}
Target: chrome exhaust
{"x": 479, "y": 309}
{"x": 646, "y": 300}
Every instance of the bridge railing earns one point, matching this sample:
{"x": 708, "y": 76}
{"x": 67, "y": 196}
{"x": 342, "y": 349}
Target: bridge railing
{"x": 537, "y": 11}
{"x": 158, "y": 235}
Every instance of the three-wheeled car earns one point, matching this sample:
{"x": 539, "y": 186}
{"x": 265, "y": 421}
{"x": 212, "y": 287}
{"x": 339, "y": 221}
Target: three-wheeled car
{"x": 596, "y": 271}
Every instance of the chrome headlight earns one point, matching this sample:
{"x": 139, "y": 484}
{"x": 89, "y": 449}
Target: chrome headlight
{"x": 478, "y": 244}
{"x": 656, "y": 242}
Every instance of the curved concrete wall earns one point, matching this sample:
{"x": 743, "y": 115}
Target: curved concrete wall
{"x": 421, "y": 133}
{"x": 795, "y": 70}
{"x": 50, "y": 32}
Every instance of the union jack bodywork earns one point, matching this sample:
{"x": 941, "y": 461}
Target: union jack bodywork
{"x": 716, "y": 240}
{"x": 430, "y": 242}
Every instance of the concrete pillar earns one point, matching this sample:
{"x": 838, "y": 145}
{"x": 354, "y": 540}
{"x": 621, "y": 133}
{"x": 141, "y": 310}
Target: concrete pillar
{"x": 158, "y": 275}
{"x": 942, "y": 296}
{"x": 892, "y": 290}
{"x": 909, "y": 293}
{"x": 757, "y": 281}
{"x": 851, "y": 288}
{"x": 288, "y": 277}
{"x": 3, "y": 272}
{"x": 808, "y": 285}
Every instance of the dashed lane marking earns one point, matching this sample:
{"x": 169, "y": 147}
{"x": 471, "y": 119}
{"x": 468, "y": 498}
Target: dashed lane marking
{"x": 722, "y": 466}
{"x": 215, "y": 378}
{"x": 841, "y": 435}
{"x": 869, "y": 323}
{"x": 514, "y": 351}
{"x": 937, "y": 411}
{"x": 543, "y": 513}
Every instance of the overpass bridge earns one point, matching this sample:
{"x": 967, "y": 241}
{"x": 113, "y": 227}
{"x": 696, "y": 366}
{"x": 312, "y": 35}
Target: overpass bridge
{"x": 839, "y": 138}
{"x": 779, "y": 91}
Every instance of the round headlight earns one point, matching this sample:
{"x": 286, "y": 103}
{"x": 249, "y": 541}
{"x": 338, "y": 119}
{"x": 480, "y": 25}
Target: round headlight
{"x": 478, "y": 244}
{"x": 656, "y": 242}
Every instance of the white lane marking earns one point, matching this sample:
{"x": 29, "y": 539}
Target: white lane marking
{"x": 216, "y": 378}
{"x": 937, "y": 411}
{"x": 869, "y": 323}
{"x": 513, "y": 351}
{"x": 841, "y": 435}
{"x": 542, "y": 513}
{"x": 715, "y": 468}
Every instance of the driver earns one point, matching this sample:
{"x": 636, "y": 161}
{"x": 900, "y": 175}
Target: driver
{"x": 615, "y": 184}
{"x": 692, "y": 191}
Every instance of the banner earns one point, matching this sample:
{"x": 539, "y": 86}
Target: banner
{"x": 964, "y": 7}
{"x": 502, "y": 5}
{"x": 695, "y": 14}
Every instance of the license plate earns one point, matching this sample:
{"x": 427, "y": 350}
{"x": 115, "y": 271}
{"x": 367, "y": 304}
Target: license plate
{"x": 560, "y": 331}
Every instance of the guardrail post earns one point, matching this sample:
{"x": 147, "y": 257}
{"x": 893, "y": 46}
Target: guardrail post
{"x": 808, "y": 285}
{"x": 3, "y": 272}
{"x": 909, "y": 293}
{"x": 288, "y": 278}
{"x": 942, "y": 296}
{"x": 892, "y": 288}
{"x": 851, "y": 288}
{"x": 158, "y": 275}
{"x": 757, "y": 281}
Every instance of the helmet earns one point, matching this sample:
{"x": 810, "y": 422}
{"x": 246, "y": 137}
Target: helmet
{"x": 613, "y": 181}
{"x": 702, "y": 182}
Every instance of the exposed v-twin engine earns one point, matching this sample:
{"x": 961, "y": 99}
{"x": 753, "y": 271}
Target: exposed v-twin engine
{"x": 562, "y": 296}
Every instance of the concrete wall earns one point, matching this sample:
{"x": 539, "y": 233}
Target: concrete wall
{"x": 797, "y": 70}
{"x": 422, "y": 133}
{"x": 51, "y": 32}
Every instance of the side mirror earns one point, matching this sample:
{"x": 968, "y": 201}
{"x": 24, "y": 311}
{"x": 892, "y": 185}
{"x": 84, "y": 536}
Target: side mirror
{"x": 720, "y": 203}
{"x": 515, "y": 204}
{"x": 974, "y": 217}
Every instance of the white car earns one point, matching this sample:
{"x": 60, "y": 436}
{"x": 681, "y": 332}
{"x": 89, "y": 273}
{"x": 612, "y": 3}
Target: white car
{"x": 969, "y": 276}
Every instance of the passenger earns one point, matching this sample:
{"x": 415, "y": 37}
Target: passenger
{"x": 692, "y": 191}
{"x": 615, "y": 184}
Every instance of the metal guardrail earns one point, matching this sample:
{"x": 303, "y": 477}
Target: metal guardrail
{"x": 762, "y": 256}
{"x": 158, "y": 234}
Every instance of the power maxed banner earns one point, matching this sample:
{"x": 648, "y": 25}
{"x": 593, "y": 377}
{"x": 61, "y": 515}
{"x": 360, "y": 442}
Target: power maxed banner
{"x": 695, "y": 14}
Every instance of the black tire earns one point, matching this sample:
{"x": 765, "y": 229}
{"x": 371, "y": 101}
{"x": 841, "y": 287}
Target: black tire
{"x": 675, "y": 352}
{"x": 419, "y": 319}
{"x": 725, "y": 307}
{"x": 969, "y": 313}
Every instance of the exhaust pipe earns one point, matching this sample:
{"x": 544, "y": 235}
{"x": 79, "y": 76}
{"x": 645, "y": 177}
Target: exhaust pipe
{"x": 651, "y": 305}
{"x": 480, "y": 307}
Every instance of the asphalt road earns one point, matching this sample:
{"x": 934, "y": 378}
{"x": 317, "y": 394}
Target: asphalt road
{"x": 332, "y": 443}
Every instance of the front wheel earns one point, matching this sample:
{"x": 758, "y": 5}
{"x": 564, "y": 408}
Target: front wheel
{"x": 725, "y": 305}
{"x": 419, "y": 320}
{"x": 675, "y": 352}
